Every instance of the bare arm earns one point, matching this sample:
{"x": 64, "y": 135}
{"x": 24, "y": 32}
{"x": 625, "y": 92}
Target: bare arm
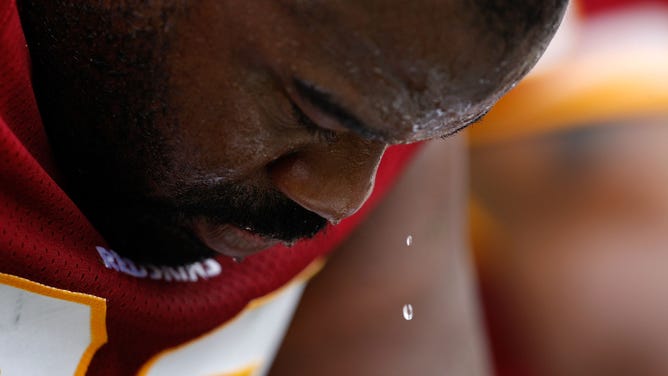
{"x": 350, "y": 321}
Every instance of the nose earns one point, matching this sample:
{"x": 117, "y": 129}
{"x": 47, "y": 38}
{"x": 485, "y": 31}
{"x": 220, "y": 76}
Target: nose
{"x": 331, "y": 180}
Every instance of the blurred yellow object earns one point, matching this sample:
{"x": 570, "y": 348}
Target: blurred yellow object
{"x": 594, "y": 84}
{"x": 595, "y": 72}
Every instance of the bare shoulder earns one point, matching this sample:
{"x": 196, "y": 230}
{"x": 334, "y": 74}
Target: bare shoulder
{"x": 411, "y": 250}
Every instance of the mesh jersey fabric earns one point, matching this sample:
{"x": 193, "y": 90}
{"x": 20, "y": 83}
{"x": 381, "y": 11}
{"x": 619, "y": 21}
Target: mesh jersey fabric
{"x": 46, "y": 239}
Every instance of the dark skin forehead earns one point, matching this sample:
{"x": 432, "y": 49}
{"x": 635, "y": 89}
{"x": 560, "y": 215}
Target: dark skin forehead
{"x": 406, "y": 71}
{"x": 429, "y": 65}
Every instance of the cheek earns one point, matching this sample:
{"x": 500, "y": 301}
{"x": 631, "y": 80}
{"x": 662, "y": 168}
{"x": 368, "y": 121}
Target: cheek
{"x": 219, "y": 131}
{"x": 227, "y": 148}
{"x": 232, "y": 119}
{"x": 229, "y": 135}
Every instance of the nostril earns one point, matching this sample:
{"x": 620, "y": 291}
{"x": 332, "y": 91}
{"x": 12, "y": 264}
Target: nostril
{"x": 325, "y": 185}
{"x": 286, "y": 172}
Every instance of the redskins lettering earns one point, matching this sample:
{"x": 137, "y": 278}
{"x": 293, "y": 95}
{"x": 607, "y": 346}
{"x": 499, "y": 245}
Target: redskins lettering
{"x": 205, "y": 269}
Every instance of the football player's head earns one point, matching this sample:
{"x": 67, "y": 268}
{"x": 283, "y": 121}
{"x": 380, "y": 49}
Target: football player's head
{"x": 184, "y": 127}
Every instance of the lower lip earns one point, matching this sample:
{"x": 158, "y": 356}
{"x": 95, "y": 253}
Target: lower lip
{"x": 230, "y": 240}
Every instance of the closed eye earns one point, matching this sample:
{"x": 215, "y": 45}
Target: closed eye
{"x": 304, "y": 121}
{"x": 327, "y": 105}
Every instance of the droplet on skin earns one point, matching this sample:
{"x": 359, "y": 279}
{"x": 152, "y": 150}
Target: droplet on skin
{"x": 408, "y": 312}
{"x": 409, "y": 240}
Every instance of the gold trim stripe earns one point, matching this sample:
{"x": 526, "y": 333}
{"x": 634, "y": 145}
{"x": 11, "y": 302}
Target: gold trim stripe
{"x": 312, "y": 269}
{"x": 98, "y": 312}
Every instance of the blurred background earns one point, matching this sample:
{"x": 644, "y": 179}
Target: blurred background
{"x": 569, "y": 201}
{"x": 568, "y": 223}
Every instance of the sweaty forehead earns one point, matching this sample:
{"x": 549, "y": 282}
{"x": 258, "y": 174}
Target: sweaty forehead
{"x": 408, "y": 69}
{"x": 400, "y": 66}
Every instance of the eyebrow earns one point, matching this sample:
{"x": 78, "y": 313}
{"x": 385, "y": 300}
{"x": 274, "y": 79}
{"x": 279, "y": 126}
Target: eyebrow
{"x": 324, "y": 102}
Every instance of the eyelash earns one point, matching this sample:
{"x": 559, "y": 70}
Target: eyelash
{"x": 323, "y": 135}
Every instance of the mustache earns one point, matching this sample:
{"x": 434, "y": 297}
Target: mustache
{"x": 159, "y": 232}
{"x": 266, "y": 212}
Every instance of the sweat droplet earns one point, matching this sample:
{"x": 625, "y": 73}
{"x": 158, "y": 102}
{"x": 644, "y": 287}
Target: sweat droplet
{"x": 409, "y": 240}
{"x": 408, "y": 312}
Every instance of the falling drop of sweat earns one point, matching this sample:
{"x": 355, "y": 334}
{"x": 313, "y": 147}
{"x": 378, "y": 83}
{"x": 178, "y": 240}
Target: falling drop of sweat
{"x": 408, "y": 312}
{"x": 409, "y": 240}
